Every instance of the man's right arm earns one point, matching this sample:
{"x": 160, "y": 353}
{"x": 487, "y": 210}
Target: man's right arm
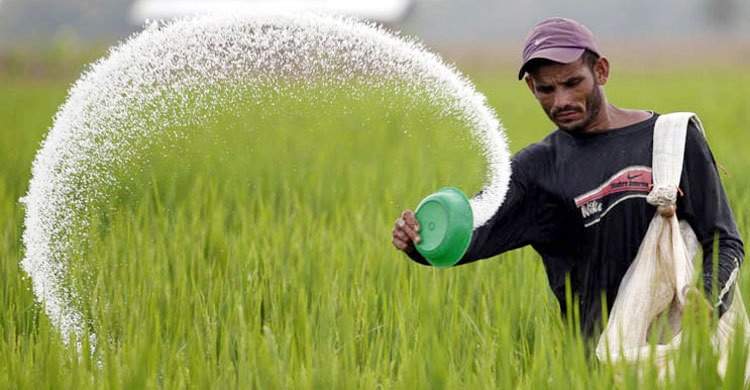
{"x": 512, "y": 226}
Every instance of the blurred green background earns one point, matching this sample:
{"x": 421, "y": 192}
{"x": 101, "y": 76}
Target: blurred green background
{"x": 258, "y": 253}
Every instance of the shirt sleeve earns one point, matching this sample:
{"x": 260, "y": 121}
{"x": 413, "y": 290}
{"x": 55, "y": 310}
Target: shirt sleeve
{"x": 512, "y": 226}
{"x": 705, "y": 207}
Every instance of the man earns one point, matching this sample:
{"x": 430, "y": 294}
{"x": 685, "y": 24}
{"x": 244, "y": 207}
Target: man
{"x": 578, "y": 196}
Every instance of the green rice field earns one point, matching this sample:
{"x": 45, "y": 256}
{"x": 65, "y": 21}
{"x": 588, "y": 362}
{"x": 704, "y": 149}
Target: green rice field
{"x": 257, "y": 253}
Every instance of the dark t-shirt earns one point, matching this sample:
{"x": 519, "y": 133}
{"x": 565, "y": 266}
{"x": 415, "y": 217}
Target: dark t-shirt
{"x": 580, "y": 201}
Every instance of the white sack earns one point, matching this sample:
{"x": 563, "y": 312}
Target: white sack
{"x": 654, "y": 284}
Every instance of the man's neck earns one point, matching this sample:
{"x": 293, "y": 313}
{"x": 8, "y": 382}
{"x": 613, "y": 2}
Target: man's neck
{"x": 612, "y": 117}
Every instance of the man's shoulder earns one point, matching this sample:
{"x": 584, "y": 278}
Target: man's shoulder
{"x": 543, "y": 150}
{"x": 694, "y": 134}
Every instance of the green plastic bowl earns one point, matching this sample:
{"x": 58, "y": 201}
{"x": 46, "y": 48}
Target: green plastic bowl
{"x": 446, "y": 224}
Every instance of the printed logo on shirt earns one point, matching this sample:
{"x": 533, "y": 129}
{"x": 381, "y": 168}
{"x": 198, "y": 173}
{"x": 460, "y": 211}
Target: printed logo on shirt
{"x": 631, "y": 182}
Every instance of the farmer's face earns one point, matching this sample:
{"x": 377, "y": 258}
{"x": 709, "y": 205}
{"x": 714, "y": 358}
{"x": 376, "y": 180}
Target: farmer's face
{"x": 570, "y": 94}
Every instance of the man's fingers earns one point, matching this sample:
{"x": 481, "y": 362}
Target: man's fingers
{"x": 398, "y": 243}
{"x": 400, "y": 234}
{"x": 410, "y": 225}
{"x": 402, "y": 245}
{"x": 410, "y": 219}
{"x": 406, "y": 230}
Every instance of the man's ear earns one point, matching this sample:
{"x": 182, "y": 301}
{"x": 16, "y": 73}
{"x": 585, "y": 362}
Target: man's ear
{"x": 530, "y": 84}
{"x": 601, "y": 70}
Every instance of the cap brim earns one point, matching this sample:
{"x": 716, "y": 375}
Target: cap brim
{"x": 563, "y": 55}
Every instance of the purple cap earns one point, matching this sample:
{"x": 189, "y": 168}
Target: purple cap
{"x": 557, "y": 39}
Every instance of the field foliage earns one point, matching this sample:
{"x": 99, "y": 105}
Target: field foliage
{"x": 256, "y": 252}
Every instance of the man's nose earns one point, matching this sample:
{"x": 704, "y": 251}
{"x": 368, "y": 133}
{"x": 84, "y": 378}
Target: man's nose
{"x": 562, "y": 98}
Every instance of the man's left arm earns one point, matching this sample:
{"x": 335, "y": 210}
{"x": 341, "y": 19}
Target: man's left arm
{"x": 706, "y": 208}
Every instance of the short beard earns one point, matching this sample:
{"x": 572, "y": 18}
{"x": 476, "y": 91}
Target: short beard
{"x": 593, "y": 108}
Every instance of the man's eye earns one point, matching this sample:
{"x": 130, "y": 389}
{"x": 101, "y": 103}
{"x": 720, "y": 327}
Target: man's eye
{"x": 572, "y": 83}
{"x": 545, "y": 89}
